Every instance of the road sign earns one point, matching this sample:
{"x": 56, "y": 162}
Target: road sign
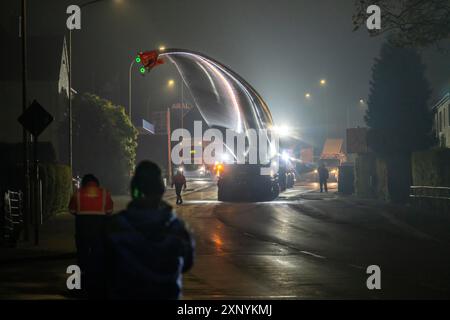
{"x": 35, "y": 119}
{"x": 179, "y": 106}
{"x": 147, "y": 128}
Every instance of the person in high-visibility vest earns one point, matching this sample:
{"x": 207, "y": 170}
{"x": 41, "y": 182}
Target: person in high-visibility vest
{"x": 91, "y": 206}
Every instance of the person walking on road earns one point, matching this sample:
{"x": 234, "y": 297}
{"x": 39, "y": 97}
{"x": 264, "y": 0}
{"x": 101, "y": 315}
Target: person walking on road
{"x": 149, "y": 247}
{"x": 179, "y": 180}
{"x": 323, "y": 178}
{"x": 91, "y": 205}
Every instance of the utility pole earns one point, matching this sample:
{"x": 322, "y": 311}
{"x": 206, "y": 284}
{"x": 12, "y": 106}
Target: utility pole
{"x": 25, "y": 135}
{"x": 348, "y": 117}
{"x": 70, "y": 104}
{"x": 129, "y": 88}
{"x": 169, "y": 149}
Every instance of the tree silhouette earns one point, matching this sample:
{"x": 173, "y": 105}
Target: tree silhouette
{"x": 104, "y": 141}
{"x": 398, "y": 116}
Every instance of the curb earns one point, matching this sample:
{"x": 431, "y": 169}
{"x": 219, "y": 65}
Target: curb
{"x": 33, "y": 256}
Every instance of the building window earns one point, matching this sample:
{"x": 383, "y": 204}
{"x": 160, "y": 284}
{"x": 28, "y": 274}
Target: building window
{"x": 443, "y": 118}
{"x": 440, "y": 121}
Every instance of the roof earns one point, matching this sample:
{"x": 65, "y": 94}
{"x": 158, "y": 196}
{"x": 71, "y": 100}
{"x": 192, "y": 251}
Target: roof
{"x": 44, "y": 58}
{"x": 443, "y": 100}
{"x": 333, "y": 146}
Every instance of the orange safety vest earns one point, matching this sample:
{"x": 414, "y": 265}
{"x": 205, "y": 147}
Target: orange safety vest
{"x": 91, "y": 200}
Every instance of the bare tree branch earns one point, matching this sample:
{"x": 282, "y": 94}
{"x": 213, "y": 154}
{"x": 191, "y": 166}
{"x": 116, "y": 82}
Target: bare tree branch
{"x": 417, "y": 23}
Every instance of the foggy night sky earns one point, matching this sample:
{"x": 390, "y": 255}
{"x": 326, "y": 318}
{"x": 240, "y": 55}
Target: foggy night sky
{"x": 282, "y": 48}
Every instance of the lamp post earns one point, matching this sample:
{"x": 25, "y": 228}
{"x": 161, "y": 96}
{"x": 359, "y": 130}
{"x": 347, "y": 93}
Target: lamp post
{"x": 25, "y": 135}
{"x": 129, "y": 87}
{"x": 323, "y": 84}
{"x": 171, "y": 84}
{"x": 361, "y": 104}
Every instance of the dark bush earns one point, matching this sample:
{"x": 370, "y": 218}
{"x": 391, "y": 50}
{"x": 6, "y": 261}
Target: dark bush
{"x": 431, "y": 168}
{"x": 383, "y": 179}
{"x": 104, "y": 141}
{"x": 56, "y": 188}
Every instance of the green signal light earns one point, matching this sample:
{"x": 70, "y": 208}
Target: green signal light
{"x": 142, "y": 70}
{"x": 138, "y": 59}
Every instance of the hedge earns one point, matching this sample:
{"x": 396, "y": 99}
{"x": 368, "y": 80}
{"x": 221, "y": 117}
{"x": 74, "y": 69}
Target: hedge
{"x": 384, "y": 179}
{"x": 365, "y": 165}
{"x": 431, "y": 168}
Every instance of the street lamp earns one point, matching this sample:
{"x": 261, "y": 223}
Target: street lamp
{"x": 138, "y": 60}
{"x": 362, "y": 103}
{"x": 308, "y": 95}
{"x": 323, "y": 83}
{"x": 142, "y": 70}
{"x": 170, "y": 85}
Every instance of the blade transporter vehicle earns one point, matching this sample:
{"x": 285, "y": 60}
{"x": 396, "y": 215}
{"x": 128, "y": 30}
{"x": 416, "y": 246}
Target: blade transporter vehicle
{"x": 229, "y": 104}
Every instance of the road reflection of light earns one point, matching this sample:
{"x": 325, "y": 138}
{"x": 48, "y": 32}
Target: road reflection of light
{"x": 218, "y": 242}
{"x": 294, "y": 201}
{"x": 199, "y": 181}
{"x": 284, "y": 263}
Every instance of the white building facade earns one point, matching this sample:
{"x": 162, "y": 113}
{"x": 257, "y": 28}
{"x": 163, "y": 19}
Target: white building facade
{"x": 442, "y": 121}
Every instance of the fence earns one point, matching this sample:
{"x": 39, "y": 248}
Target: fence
{"x": 436, "y": 199}
{"x": 13, "y": 216}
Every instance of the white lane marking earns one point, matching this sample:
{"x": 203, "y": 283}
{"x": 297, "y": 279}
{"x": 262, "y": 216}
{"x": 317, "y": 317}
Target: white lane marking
{"x": 201, "y": 201}
{"x": 356, "y": 266}
{"x": 313, "y": 254}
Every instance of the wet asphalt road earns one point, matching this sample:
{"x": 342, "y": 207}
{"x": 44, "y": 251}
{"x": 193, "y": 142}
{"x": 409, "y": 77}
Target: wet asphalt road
{"x": 294, "y": 248}
{"x": 302, "y": 246}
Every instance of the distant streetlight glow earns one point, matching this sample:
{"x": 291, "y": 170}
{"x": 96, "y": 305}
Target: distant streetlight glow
{"x": 308, "y": 96}
{"x": 171, "y": 83}
{"x": 282, "y": 131}
{"x": 361, "y": 101}
{"x": 323, "y": 82}
{"x": 162, "y": 48}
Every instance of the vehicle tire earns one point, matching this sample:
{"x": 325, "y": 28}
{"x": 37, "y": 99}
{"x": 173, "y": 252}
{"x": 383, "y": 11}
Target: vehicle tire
{"x": 275, "y": 191}
{"x": 290, "y": 183}
{"x": 222, "y": 195}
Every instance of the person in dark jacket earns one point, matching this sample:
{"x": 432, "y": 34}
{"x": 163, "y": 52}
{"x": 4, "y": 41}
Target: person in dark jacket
{"x": 149, "y": 247}
{"x": 323, "y": 177}
{"x": 179, "y": 181}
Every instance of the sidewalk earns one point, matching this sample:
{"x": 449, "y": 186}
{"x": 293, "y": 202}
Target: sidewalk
{"x": 347, "y": 209}
{"x": 56, "y": 236}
